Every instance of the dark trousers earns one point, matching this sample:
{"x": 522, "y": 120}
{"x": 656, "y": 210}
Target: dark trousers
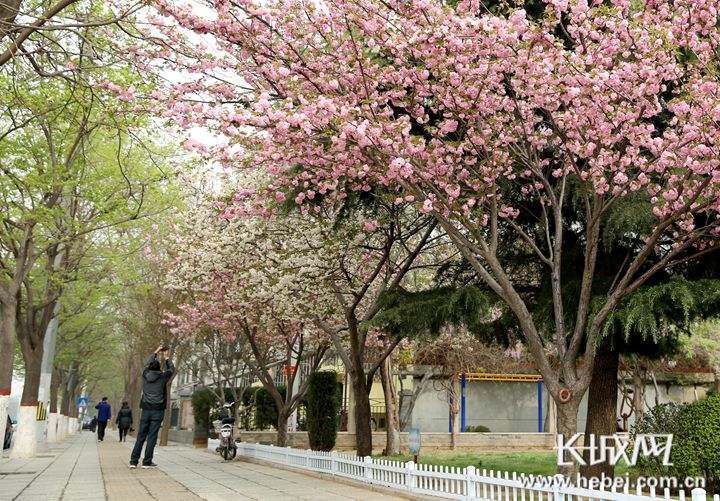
{"x": 123, "y": 433}
{"x": 101, "y": 429}
{"x": 150, "y": 421}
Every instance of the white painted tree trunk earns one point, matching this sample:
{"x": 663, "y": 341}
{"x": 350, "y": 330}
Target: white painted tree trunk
{"x": 72, "y": 426}
{"x": 65, "y": 427}
{"x": 26, "y": 440}
{"x": 61, "y": 427}
{"x": 4, "y": 400}
{"x": 52, "y": 428}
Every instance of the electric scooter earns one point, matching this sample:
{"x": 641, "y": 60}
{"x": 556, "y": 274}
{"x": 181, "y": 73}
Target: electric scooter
{"x": 224, "y": 428}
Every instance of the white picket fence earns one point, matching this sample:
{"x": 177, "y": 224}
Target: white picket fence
{"x": 467, "y": 484}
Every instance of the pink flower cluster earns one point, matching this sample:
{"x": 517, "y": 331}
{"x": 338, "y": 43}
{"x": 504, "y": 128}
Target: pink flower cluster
{"x": 451, "y": 108}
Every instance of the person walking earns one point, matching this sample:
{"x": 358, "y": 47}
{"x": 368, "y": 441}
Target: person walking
{"x": 152, "y": 405}
{"x": 124, "y": 421}
{"x": 104, "y": 415}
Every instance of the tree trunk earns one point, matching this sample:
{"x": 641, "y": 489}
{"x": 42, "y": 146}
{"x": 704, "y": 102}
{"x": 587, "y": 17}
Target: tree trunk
{"x": 8, "y": 309}
{"x": 282, "y": 427}
{"x": 455, "y": 402}
{"x": 26, "y": 442}
{"x": 52, "y": 422}
{"x": 54, "y": 387}
{"x": 392, "y": 440}
{"x": 74, "y": 425}
{"x": 72, "y": 381}
{"x": 9, "y": 10}
{"x": 602, "y": 405}
{"x": 639, "y": 392}
{"x": 165, "y": 432}
{"x": 567, "y": 427}
{"x": 418, "y": 388}
{"x": 454, "y": 427}
{"x": 133, "y": 387}
{"x": 363, "y": 414}
{"x": 33, "y": 362}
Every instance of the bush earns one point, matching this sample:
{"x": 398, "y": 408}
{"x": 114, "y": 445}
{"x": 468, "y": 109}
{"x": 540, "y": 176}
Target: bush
{"x": 663, "y": 419}
{"x": 203, "y": 401}
{"x": 697, "y": 447}
{"x": 266, "y": 411}
{"x": 322, "y": 410}
{"x": 477, "y": 429}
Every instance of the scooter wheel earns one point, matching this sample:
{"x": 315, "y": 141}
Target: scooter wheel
{"x": 229, "y": 453}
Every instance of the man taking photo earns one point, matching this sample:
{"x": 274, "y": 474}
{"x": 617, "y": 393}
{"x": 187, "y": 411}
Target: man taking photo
{"x": 152, "y": 405}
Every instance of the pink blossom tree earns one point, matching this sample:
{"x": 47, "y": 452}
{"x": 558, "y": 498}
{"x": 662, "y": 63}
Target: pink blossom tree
{"x": 251, "y": 284}
{"x": 324, "y": 271}
{"x": 481, "y": 120}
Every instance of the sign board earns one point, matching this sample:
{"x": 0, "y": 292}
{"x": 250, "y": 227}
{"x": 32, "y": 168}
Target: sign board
{"x": 82, "y": 402}
{"x": 414, "y": 441}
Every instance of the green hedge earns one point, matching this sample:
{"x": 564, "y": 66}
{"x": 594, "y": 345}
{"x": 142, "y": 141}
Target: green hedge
{"x": 203, "y": 401}
{"x": 697, "y": 446}
{"x": 260, "y": 411}
{"x": 322, "y": 410}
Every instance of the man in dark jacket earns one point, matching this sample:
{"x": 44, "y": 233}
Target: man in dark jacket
{"x": 153, "y": 406}
{"x": 104, "y": 414}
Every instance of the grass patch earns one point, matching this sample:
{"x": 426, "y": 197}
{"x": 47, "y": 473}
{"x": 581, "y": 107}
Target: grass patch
{"x": 530, "y": 463}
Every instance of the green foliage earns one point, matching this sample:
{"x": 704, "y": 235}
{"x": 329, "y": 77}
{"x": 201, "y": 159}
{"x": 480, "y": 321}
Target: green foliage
{"x": 703, "y": 346}
{"x": 266, "y": 411}
{"x": 203, "y": 401}
{"x": 322, "y": 410}
{"x": 653, "y": 311}
{"x": 630, "y": 217}
{"x": 477, "y": 429}
{"x": 413, "y": 314}
{"x": 662, "y": 419}
{"x": 697, "y": 447}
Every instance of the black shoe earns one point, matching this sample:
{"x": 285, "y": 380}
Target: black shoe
{"x": 148, "y": 466}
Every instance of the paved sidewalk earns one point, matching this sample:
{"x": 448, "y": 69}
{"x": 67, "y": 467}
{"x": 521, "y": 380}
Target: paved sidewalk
{"x": 67, "y": 471}
{"x": 213, "y": 479}
{"x": 81, "y": 469}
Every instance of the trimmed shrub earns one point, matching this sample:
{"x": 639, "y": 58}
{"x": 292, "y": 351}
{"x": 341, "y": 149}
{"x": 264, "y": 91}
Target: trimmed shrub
{"x": 697, "y": 446}
{"x": 203, "y": 401}
{"x": 322, "y": 410}
{"x": 477, "y": 429}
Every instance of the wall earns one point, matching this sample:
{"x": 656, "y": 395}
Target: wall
{"x": 513, "y": 407}
{"x": 430, "y": 441}
{"x": 181, "y": 436}
{"x": 501, "y": 406}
